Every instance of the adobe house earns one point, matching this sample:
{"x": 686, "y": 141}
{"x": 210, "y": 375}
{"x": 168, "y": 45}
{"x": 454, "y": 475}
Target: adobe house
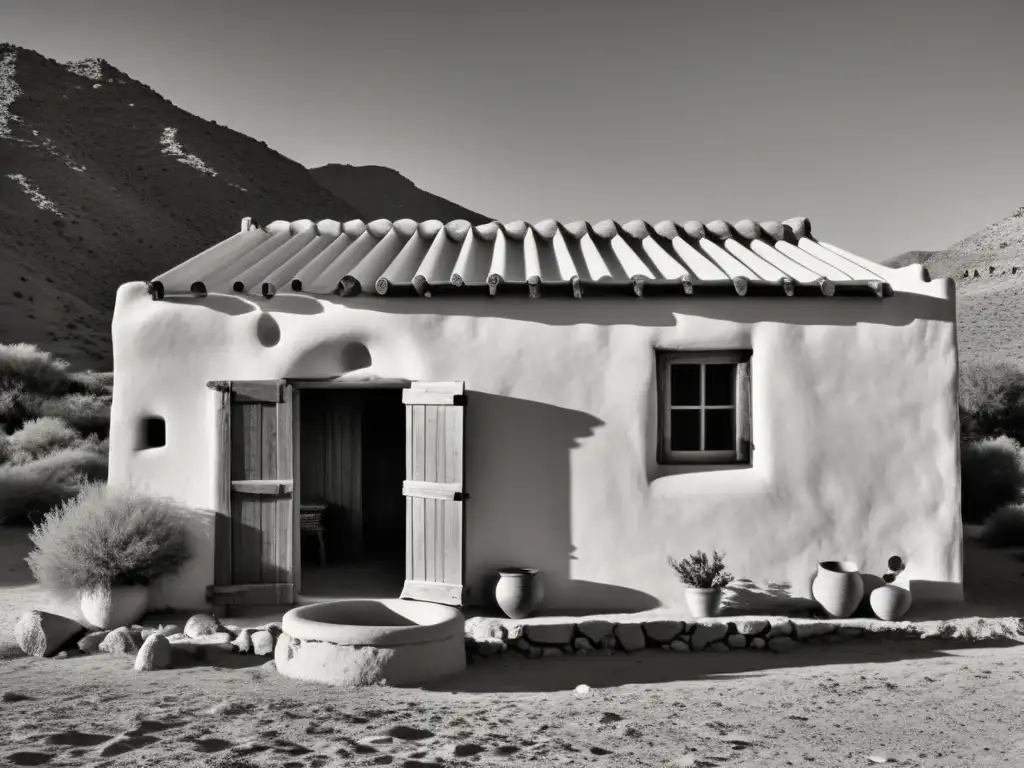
{"x": 403, "y": 408}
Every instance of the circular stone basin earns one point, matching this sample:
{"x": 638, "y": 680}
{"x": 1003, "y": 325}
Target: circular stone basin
{"x": 362, "y": 641}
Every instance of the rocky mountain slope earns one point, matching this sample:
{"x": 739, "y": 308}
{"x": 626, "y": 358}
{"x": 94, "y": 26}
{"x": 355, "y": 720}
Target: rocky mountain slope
{"x": 988, "y": 268}
{"x": 104, "y": 181}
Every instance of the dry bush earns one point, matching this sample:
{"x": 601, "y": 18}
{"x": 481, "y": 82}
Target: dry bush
{"x": 17, "y": 407}
{"x": 40, "y": 437}
{"x": 26, "y": 367}
{"x": 108, "y": 537}
{"x": 29, "y": 491}
{"x": 992, "y": 476}
{"x": 992, "y": 401}
{"x": 1005, "y": 527}
{"x": 92, "y": 382}
{"x": 87, "y": 413}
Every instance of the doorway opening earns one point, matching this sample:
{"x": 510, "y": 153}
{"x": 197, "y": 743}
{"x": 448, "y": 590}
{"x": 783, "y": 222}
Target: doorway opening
{"x": 351, "y": 461}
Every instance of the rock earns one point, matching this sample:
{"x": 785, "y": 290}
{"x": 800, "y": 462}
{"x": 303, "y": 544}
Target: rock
{"x": 273, "y": 627}
{"x": 263, "y": 643}
{"x": 148, "y": 633}
{"x": 217, "y": 638}
{"x": 751, "y": 627}
{"x": 850, "y": 631}
{"x": 202, "y": 624}
{"x": 551, "y": 651}
{"x": 783, "y": 628}
{"x": 67, "y": 653}
{"x": 630, "y": 636}
{"x": 490, "y": 647}
{"x": 482, "y": 628}
{"x": 121, "y": 641}
{"x": 244, "y": 641}
{"x": 549, "y": 634}
{"x": 582, "y": 644}
{"x": 595, "y": 630}
{"x": 535, "y": 652}
{"x": 737, "y": 641}
{"x": 523, "y": 644}
{"x": 91, "y": 642}
{"x": 782, "y": 644}
{"x": 663, "y": 631}
{"x": 233, "y": 629}
{"x": 155, "y": 653}
{"x": 608, "y": 643}
{"x": 679, "y": 646}
{"x": 39, "y": 633}
{"x": 813, "y": 629}
{"x": 169, "y": 629}
{"x": 757, "y": 642}
{"x": 581, "y": 690}
{"x": 704, "y": 634}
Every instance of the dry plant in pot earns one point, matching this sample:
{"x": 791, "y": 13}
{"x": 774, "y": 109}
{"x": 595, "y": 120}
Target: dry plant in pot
{"x": 704, "y": 581}
{"x": 105, "y": 547}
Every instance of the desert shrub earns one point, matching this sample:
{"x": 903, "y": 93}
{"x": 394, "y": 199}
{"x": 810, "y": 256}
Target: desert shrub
{"x": 26, "y": 367}
{"x": 1005, "y": 527}
{"x": 87, "y": 413}
{"x": 28, "y": 491}
{"x": 17, "y": 407}
{"x": 991, "y": 476}
{"x": 40, "y": 437}
{"x": 992, "y": 401}
{"x": 696, "y": 571}
{"x": 108, "y": 537}
{"x": 92, "y": 382}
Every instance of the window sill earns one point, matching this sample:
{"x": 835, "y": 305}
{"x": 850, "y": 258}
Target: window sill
{"x": 670, "y": 470}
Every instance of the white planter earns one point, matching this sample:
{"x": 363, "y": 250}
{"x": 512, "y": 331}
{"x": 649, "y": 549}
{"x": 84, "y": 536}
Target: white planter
{"x": 112, "y": 607}
{"x": 891, "y": 602}
{"x": 704, "y": 602}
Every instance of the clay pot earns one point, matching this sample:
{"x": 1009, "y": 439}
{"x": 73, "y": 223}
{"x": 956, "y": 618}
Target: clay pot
{"x": 111, "y": 607}
{"x": 704, "y": 601}
{"x": 890, "y": 602}
{"x": 838, "y": 588}
{"x": 519, "y": 591}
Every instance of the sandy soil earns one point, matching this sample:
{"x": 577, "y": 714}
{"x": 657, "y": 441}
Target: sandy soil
{"x": 908, "y": 702}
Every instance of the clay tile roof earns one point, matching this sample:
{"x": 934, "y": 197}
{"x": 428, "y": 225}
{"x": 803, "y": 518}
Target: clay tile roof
{"x": 549, "y": 258}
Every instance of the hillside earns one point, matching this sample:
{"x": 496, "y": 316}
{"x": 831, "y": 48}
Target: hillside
{"x": 389, "y": 193}
{"x": 104, "y": 181}
{"x": 988, "y": 268}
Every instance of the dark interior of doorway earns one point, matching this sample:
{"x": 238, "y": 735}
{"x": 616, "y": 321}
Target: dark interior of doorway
{"x": 352, "y": 464}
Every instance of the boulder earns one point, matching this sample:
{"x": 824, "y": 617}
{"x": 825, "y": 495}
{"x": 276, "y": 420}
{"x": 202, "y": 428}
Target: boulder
{"x": 783, "y": 628}
{"x": 782, "y": 644}
{"x": 244, "y": 641}
{"x": 263, "y": 643}
{"x": 757, "y": 642}
{"x": 719, "y": 646}
{"x": 535, "y": 652}
{"x": 751, "y": 627}
{"x": 663, "y": 631}
{"x": 737, "y": 641}
{"x": 91, "y": 642}
{"x": 549, "y": 634}
{"x": 679, "y": 646}
{"x": 121, "y": 641}
{"x": 39, "y": 633}
{"x": 705, "y": 634}
{"x": 595, "y": 630}
{"x": 202, "y": 624}
{"x": 582, "y": 644}
{"x": 155, "y": 653}
{"x": 630, "y": 636}
{"x": 523, "y": 644}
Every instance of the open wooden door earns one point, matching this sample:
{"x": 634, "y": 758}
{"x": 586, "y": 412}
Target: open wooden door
{"x": 434, "y": 438}
{"x": 254, "y": 535}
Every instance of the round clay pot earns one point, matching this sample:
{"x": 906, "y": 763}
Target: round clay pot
{"x": 838, "y": 588}
{"x": 891, "y": 601}
{"x": 112, "y": 607}
{"x": 519, "y": 591}
{"x": 704, "y": 601}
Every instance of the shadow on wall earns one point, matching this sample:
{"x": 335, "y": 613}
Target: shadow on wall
{"x": 603, "y": 310}
{"x": 200, "y": 526}
{"x": 519, "y": 507}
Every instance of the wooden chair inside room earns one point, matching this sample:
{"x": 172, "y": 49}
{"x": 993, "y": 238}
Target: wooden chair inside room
{"x": 311, "y": 523}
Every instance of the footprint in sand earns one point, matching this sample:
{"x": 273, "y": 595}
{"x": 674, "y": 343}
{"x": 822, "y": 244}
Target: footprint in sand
{"x": 467, "y": 750}
{"x": 78, "y": 739}
{"x": 213, "y": 745}
{"x": 29, "y": 758}
{"x": 407, "y": 733}
{"x": 609, "y": 717}
{"x": 13, "y": 696}
{"x": 600, "y": 751}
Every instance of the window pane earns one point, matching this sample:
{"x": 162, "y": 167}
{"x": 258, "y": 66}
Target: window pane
{"x": 685, "y": 430}
{"x": 720, "y": 384}
{"x": 685, "y": 385}
{"x": 720, "y": 430}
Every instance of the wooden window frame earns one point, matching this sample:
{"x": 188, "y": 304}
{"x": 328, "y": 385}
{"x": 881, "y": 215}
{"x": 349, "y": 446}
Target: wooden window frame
{"x": 741, "y": 452}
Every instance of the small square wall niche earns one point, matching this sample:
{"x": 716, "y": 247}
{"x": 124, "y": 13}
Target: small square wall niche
{"x": 152, "y": 433}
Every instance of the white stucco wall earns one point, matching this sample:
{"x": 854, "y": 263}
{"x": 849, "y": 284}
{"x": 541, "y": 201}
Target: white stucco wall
{"x": 855, "y": 428}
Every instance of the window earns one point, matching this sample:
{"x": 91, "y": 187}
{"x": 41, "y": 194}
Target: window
{"x": 153, "y": 433}
{"x": 704, "y": 407}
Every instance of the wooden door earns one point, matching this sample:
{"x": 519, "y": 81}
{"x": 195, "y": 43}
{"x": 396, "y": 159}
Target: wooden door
{"x": 434, "y": 438}
{"x": 254, "y": 535}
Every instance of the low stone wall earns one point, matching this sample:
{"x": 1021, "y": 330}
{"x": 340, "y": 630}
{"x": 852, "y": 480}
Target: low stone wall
{"x": 491, "y": 637}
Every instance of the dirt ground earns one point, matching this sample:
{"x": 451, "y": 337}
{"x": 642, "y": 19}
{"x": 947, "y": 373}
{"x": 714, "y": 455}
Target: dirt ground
{"x": 900, "y": 702}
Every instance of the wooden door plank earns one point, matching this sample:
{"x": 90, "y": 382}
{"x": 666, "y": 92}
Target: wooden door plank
{"x": 222, "y": 525}
{"x": 262, "y": 487}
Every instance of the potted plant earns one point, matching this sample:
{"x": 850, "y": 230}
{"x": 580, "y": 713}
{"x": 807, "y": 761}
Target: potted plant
{"x": 704, "y": 582}
{"x": 105, "y": 547}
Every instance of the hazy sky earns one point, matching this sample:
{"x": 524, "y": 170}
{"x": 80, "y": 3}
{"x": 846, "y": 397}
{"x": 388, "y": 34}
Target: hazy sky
{"x": 891, "y": 125}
